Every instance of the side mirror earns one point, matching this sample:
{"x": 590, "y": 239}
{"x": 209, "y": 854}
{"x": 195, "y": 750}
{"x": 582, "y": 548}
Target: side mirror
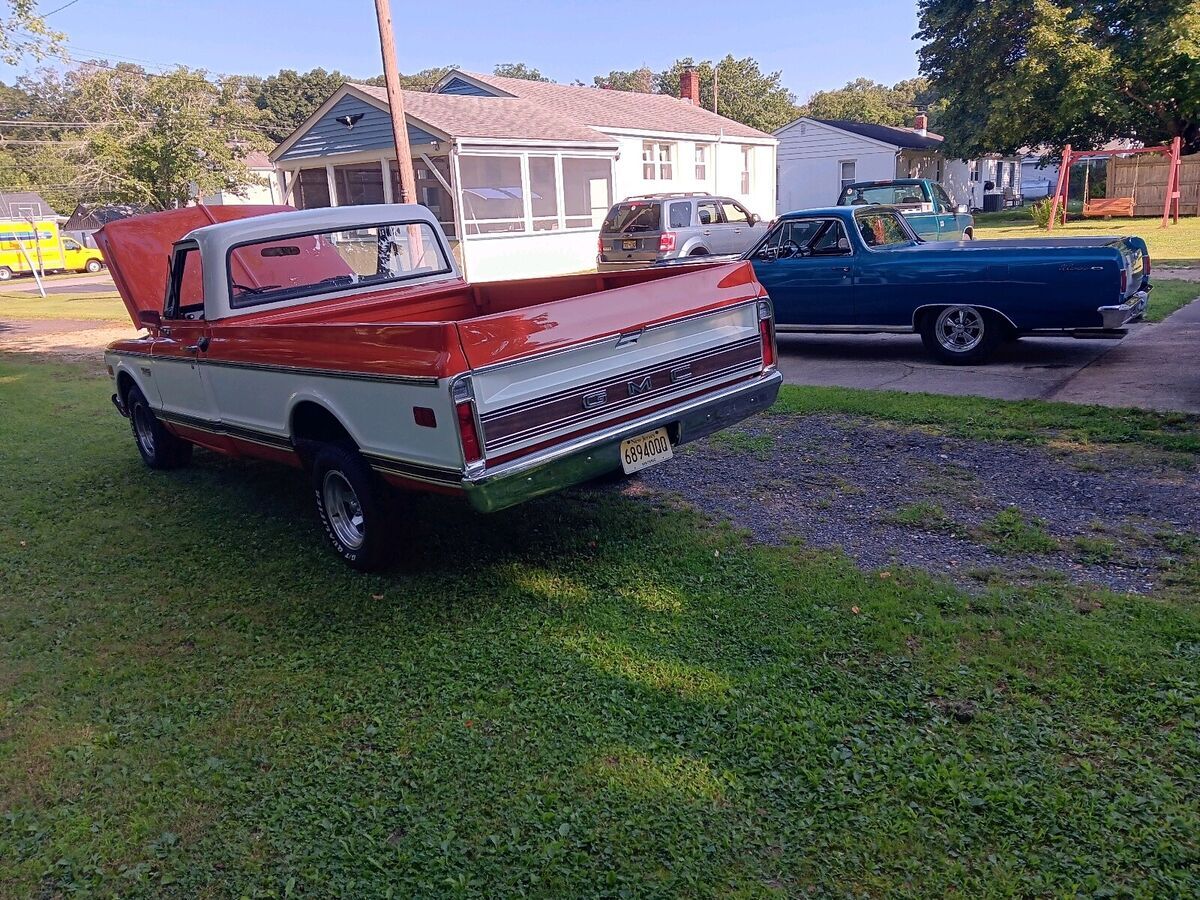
{"x": 755, "y": 218}
{"x": 150, "y": 319}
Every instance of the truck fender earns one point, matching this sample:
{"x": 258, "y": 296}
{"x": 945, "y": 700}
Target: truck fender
{"x": 129, "y": 373}
{"x": 321, "y": 406}
{"x": 693, "y": 244}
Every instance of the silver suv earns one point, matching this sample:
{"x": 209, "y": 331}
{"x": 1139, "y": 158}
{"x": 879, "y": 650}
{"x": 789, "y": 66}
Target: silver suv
{"x": 639, "y": 231}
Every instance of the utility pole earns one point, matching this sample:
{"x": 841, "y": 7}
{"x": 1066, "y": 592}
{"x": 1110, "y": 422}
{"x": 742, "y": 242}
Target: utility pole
{"x": 391, "y": 75}
{"x": 715, "y": 66}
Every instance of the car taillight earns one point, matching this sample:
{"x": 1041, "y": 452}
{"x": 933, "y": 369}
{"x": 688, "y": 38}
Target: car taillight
{"x": 599, "y": 245}
{"x": 666, "y": 242}
{"x": 766, "y": 329}
{"x": 1145, "y": 265}
{"x": 1124, "y": 281}
{"x": 464, "y": 412}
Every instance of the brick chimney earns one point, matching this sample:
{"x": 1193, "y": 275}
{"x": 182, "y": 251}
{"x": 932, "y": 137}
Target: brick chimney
{"x": 689, "y": 86}
{"x": 921, "y": 124}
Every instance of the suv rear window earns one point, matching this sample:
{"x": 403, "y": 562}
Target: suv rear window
{"x": 630, "y": 218}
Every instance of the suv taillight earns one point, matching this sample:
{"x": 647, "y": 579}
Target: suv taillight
{"x": 599, "y": 245}
{"x": 666, "y": 242}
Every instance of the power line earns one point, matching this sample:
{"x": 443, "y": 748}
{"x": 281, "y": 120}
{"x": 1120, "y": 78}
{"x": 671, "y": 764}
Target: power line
{"x": 60, "y": 8}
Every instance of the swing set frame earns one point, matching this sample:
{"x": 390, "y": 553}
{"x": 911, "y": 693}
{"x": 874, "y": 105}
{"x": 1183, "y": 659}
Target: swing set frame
{"x": 1170, "y": 202}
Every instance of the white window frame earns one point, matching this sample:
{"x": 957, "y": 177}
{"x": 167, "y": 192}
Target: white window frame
{"x": 526, "y": 218}
{"x": 842, "y": 179}
{"x": 747, "y": 184}
{"x": 702, "y": 156}
{"x": 658, "y": 158}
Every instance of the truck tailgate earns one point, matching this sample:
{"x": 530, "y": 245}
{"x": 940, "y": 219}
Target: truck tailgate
{"x": 556, "y": 369}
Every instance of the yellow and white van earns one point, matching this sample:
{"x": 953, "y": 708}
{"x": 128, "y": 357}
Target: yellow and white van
{"x": 41, "y": 244}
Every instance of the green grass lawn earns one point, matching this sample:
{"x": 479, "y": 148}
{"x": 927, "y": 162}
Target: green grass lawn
{"x": 1170, "y": 294}
{"x": 586, "y": 695}
{"x": 1173, "y": 245}
{"x": 102, "y": 307}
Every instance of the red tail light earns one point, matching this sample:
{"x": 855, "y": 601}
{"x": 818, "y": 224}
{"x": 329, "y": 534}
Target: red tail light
{"x": 666, "y": 242}
{"x": 465, "y": 411}
{"x": 599, "y": 245}
{"x": 1146, "y": 266}
{"x": 1124, "y": 281}
{"x": 766, "y": 329}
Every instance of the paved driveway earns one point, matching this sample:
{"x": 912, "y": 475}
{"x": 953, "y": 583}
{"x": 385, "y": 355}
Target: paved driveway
{"x": 1155, "y": 367}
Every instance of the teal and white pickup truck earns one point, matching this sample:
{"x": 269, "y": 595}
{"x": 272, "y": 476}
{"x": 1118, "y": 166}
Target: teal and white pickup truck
{"x": 925, "y": 205}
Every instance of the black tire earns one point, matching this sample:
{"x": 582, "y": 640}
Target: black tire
{"x": 159, "y": 448}
{"x": 93, "y": 265}
{"x": 968, "y": 235}
{"x": 6, "y": 273}
{"x": 961, "y": 335}
{"x": 350, "y": 505}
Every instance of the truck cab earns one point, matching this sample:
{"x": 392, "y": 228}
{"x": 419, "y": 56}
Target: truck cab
{"x": 925, "y": 204}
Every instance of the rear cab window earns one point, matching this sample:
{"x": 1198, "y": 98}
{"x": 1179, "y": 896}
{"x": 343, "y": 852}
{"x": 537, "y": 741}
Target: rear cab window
{"x": 881, "y": 230}
{"x": 909, "y": 195}
{"x": 633, "y": 218}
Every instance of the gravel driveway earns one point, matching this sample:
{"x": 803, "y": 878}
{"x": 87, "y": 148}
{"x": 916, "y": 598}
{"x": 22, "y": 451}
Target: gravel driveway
{"x": 966, "y": 509}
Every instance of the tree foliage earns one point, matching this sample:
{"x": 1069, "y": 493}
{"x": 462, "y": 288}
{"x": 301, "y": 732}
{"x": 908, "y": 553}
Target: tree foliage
{"x": 137, "y": 137}
{"x": 289, "y": 97}
{"x": 1050, "y": 72}
{"x": 519, "y": 70}
{"x": 24, "y": 33}
{"x": 864, "y": 100}
{"x": 745, "y": 93}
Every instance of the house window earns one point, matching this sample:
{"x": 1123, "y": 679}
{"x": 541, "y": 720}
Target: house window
{"x": 492, "y": 197}
{"x": 543, "y": 193}
{"x": 973, "y": 170}
{"x": 312, "y": 189}
{"x": 846, "y": 172}
{"x": 701, "y": 162}
{"x": 430, "y": 192}
{"x": 657, "y": 159}
{"x": 747, "y": 168}
{"x": 587, "y": 191}
{"x": 358, "y": 184}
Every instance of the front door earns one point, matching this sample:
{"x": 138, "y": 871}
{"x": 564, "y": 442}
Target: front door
{"x": 807, "y": 267}
{"x": 183, "y": 395}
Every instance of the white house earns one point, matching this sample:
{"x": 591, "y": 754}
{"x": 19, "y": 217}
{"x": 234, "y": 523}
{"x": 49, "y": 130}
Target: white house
{"x": 817, "y": 157}
{"x": 263, "y": 189}
{"x": 521, "y": 173}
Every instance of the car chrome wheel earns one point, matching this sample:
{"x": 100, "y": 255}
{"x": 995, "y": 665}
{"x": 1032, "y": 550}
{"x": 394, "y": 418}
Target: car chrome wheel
{"x": 959, "y": 329}
{"x": 344, "y": 510}
{"x": 143, "y": 425}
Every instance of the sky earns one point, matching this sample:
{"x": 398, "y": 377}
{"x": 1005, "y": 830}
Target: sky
{"x": 816, "y": 45}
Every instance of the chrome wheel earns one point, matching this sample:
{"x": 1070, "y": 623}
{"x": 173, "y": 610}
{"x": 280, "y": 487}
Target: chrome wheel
{"x": 959, "y": 329}
{"x": 343, "y": 509}
{"x": 143, "y": 426}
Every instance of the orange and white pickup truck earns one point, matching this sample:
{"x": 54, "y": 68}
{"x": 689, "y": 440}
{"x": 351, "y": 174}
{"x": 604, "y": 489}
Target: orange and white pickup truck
{"x": 344, "y": 341}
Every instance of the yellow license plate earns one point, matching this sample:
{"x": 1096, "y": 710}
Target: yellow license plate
{"x": 629, "y": 245}
{"x": 645, "y": 450}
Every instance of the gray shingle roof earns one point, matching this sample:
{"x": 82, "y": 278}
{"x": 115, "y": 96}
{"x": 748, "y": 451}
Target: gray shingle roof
{"x": 905, "y": 138}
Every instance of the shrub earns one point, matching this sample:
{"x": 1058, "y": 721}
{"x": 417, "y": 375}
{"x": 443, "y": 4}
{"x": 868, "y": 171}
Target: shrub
{"x": 1040, "y": 212}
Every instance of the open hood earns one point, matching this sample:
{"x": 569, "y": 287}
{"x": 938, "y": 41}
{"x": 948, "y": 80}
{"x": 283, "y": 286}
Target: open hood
{"x": 137, "y": 250}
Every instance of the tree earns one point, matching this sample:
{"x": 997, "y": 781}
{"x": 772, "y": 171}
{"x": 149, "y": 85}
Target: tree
{"x": 1050, "y": 72}
{"x": 519, "y": 70}
{"x": 639, "y": 80}
{"x": 289, "y": 97}
{"x": 24, "y": 33}
{"x": 864, "y": 100}
{"x": 745, "y": 93}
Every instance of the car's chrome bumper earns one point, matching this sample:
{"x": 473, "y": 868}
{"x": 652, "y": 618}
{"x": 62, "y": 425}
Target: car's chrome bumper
{"x": 1129, "y": 311}
{"x": 596, "y": 454}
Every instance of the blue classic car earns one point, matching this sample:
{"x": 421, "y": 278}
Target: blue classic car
{"x": 925, "y": 204}
{"x": 863, "y": 270}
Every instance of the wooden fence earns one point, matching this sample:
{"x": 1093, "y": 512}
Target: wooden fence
{"x": 1151, "y": 188}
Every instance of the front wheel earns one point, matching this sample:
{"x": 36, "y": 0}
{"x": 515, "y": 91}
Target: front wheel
{"x": 968, "y": 235}
{"x": 6, "y": 273}
{"x": 960, "y": 335}
{"x": 159, "y": 448}
{"x": 94, "y": 265}
{"x": 349, "y": 504}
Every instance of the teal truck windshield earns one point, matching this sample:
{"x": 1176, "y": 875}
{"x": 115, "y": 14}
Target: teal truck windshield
{"x": 886, "y": 194}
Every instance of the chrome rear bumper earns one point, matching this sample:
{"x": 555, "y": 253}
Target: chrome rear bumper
{"x": 596, "y": 454}
{"x": 1129, "y": 311}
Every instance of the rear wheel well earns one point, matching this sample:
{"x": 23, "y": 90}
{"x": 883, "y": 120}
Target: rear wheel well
{"x": 993, "y": 318}
{"x": 313, "y": 424}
